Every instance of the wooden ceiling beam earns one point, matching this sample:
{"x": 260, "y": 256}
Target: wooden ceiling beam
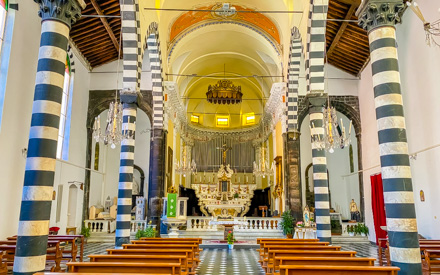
{"x": 106, "y": 25}
{"x": 350, "y": 2}
{"x": 341, "y": 30}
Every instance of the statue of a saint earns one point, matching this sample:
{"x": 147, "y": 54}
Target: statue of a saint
{"x": 306, "y": 216}
{"x": 135, "y": 187}
{"x": 354, "y": 211}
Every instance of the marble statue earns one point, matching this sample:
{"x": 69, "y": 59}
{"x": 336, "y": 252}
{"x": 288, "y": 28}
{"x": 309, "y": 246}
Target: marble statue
{"x": 107, "y": 204}
{"x": 136, "y": 188}
{"x": 306, "y": 216}
{"x": 354, "y": 211}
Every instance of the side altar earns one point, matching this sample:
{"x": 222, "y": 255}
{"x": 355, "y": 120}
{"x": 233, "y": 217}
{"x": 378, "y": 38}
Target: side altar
{"x": 223, "y": 198}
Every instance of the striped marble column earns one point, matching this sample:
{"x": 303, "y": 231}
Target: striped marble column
{"x": 33, "y": 228}
{"x": 379, "y": 18}
{"x": 320, "y": 180}
{"x": 123, "y": 217}
{"x": 293, "y": 80}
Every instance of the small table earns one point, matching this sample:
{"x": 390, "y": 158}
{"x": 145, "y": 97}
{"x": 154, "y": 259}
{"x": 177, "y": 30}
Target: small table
{"x": 305, "y": 231}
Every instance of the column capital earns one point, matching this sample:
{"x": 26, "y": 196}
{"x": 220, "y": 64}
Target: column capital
{"x": 379, "y": 13}
{"x": 293, "y": 135}
{"x": 66, "y": 11}
{"x": 316, "y": 99}
{"x": 130, "y": 97}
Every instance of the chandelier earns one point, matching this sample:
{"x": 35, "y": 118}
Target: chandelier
{"x": 432, "y": 29}
{"x": 262, "y": 168}
{"x": 224, "y": 92}
{"x": 185, "y": 166}
{"x": 334, "y": 133}
{"x": 114, "y": 133}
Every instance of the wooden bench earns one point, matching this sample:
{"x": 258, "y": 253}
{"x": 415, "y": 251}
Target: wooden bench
{"x": 268, "y": 248}
{"x": 54, "y": 253}
{"x": 337, "y": 270}
{"x": 156, "y": 268}
{"x": 260, "y": 240}
{"x": 3, "y": 265}
{"x": 179, "y": 259}
{"x": 432, "y": 259}
{"x": 173, "y": 239}
{"x": 68, "y": 239}
{"x": 187, "y": 253}
{"x": 94, "y": 273}
{"x": 275, "y": 255}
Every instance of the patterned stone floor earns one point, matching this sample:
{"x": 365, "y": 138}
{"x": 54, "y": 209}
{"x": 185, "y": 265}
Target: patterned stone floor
{"x": 238, "y": 261}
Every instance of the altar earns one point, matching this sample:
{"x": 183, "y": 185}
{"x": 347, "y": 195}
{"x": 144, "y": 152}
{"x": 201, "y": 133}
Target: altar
{"x": 221, "y": 196}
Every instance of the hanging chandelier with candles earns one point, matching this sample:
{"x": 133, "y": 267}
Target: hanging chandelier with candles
{"x": 114, "y": 131}
{"x": 262, "y": 169}
{"x": 335, "y": 135}
{"x": 186, "y": 166}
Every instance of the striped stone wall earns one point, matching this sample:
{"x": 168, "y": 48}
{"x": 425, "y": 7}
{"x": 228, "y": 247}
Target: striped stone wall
{"x": 293, "y": 80}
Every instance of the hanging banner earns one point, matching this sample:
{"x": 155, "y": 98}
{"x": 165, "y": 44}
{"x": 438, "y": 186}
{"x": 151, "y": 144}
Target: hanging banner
{"x": 172, "y": 205}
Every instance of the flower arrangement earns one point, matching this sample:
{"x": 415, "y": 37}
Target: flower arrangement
{"x": 300, "y": 224}
{"x": 54, "y": 230}
{"x": 231, "y": 238}
{"x": 236, "y": 196}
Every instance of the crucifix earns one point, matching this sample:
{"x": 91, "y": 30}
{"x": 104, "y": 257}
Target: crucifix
{"x": 225, "y": 149}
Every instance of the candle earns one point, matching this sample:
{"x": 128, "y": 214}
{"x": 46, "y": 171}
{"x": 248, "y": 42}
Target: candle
{"x": 349, "y": 129}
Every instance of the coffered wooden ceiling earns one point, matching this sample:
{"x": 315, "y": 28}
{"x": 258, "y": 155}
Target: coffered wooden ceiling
{"x": 347, "y": 43}
{"x": 98, "y": 38}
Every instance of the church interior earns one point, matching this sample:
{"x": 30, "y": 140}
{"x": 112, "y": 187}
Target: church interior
{"x": 206, "y": 137}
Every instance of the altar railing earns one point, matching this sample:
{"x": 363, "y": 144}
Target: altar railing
{"x": 200, "y": 224}
{"x": 101, "y": 226}
{"x": 136, "y": 225}
{"x": 260, "y": 224}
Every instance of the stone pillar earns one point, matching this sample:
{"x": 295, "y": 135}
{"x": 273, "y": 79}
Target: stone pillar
{"x": 126, "y": 166}
{"x": 292, "y": 174}
{"x": 33, "y": 228}
{"x": 157, "y": 176}
{"x": 379, "y": 17}
{"x": 319, "y": 160}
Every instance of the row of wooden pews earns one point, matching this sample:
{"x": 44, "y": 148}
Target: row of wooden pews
{"x": 310, "y": 256}
{"x": 148, "y": 256}
{"x": 430, "y": 253}
{"x": 59, "y": 248}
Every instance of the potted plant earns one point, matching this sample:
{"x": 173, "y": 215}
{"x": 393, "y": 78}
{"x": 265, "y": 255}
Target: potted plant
{"x": 54, "y": 230}
{"x": 149, "y": 232}
{"x": 350, "y": 230}
{"x": 85, "y": 231}
{"x": 231, "y": 240}
{"x": 287, "y": 224}
{"x": 236, "y": 196}
{"x": 363, "y": 230}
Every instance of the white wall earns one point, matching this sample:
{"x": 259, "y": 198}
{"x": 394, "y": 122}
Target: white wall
{"x": 342, "y": 188}
{"x": 420, "y": 88}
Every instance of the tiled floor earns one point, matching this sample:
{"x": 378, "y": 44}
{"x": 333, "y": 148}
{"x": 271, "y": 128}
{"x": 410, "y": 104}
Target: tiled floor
{"x": 237, "y": 261}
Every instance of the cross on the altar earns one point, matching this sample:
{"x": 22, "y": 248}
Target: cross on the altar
{"x": 225, "y": 149}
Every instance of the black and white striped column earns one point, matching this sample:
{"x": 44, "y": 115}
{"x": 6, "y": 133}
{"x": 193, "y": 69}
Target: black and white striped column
{"x": 123, "y": 217}
{"x": 153, "y": 46}
{"x": 396, "y": 170}
{"x": 293, "y": 81}
{"x": 33, "y": 227}
{"x": 320, "y": 179}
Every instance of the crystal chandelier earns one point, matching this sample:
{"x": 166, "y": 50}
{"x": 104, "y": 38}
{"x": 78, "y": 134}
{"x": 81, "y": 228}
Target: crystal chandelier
{"x": 432, "y": 29}
{"x": 114, "y": 133}
{"x": 185, "y": 166}
{"x": 334, "y": 133}
{"x": 262, "y": 168}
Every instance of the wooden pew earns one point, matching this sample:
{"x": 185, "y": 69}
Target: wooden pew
{"x": 193, "y": 247}
{"x": 94, "y": 273}
{"x": 187, "y": 253}
{"x": 268, "y": 248}
{"x": 259, "y": 240}
{"x": 67, "y": 239}
{"x": 432, "y": 259}
{"x": 102, "y": 267}
{"x": 172, "y": 239}
{"x": 275, "y": 255}
{"x": 3, "y": 265}
{"x": 337, "y": 270}
{"x": 54, "y": 253}
{"x": 179, "y": 259}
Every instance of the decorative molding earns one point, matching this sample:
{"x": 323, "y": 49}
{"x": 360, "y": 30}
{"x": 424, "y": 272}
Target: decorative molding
{"x": 66, "y": 11}
{"x": 379, "y": 13}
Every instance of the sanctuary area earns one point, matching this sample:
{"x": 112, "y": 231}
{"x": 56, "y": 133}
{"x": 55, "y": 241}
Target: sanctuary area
{"x": 206, "y": 137}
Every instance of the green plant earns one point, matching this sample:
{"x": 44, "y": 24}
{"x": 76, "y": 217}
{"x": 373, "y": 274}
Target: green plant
{"x": 350, "y": 229}
{"x": 85, "y": 231}
{"x": 149, "y": 232}
{"x": 363, "y": 229}
{"x": 287, "y": 222}
{"x": 236, "y": 196}
{"x": 231, "y": 238}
